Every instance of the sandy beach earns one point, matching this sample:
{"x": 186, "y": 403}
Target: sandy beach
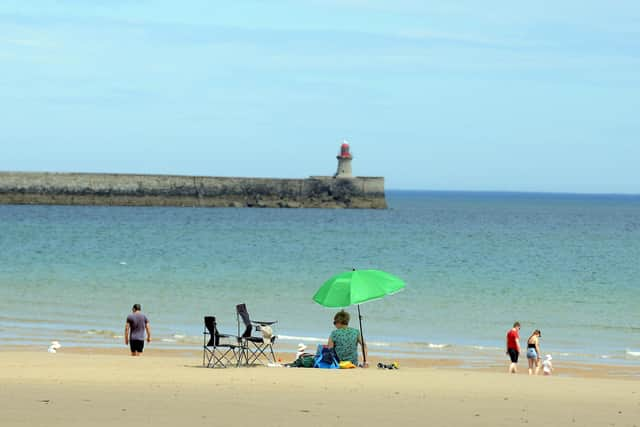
{"x": 107, "y": 388}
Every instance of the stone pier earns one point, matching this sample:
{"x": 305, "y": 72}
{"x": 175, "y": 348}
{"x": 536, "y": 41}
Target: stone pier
{"x": 201, "y": 191}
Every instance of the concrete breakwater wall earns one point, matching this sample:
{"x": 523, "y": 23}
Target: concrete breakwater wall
{"x": 178, "y": 190}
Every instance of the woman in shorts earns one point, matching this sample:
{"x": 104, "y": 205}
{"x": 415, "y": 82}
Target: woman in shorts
{"x": 533, "y": 352}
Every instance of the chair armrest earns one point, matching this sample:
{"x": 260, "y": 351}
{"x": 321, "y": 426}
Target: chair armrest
{"x": 258, "y": 322}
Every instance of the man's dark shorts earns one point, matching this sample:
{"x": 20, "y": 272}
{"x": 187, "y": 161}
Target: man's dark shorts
{"x": 513, "y": 354}
{"x": 136, "y": 346}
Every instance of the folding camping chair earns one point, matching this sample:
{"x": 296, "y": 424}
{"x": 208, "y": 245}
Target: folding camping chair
{"x": 256, "y": 349}
{"x": 219, "y": 350}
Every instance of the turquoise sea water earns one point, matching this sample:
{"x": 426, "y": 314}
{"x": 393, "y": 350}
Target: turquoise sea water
{"x": 473, "y": 262}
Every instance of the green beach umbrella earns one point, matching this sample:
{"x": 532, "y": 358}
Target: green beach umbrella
{"x": 354, "y": 288}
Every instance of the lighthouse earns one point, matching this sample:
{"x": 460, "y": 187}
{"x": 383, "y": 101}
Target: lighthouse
{"x": 344, "y": 162}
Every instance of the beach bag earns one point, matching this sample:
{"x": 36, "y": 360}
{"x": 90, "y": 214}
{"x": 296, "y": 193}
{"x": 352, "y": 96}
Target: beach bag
{"x": 304, "y": 361}
{"x": 308, "y": 361}
{"x": 326, "y": 358}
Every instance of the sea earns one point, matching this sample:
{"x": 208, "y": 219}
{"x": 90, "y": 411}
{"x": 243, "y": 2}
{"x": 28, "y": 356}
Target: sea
{"x": 473, "y": 264}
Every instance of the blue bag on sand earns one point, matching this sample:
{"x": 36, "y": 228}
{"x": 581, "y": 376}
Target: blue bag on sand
{"x": 326, "y": 358}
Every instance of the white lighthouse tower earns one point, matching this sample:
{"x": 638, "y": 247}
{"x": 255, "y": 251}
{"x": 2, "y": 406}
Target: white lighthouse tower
{"x": 344, "y": 161}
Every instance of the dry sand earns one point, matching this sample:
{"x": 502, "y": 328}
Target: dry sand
{"x": 108, "y": 388}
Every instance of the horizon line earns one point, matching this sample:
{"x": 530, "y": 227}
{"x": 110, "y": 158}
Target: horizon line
{"x": 514, "y": 192}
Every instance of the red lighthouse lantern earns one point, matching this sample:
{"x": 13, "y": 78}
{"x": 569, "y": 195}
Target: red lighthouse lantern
{"x": 344, "y": 151}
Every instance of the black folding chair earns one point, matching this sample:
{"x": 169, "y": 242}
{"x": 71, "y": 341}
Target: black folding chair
{"x": 256, "y": 349}
{"x": 219, "y": 350}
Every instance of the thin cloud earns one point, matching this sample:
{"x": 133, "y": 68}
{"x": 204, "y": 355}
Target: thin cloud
{"x": 25, "y": 42}
{"x": 464, "y": 39}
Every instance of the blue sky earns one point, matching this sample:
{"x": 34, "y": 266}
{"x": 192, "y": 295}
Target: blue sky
{"x": 436, "y": 95}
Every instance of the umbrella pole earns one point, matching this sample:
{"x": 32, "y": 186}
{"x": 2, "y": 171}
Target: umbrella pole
{"x": 364, "y": 354}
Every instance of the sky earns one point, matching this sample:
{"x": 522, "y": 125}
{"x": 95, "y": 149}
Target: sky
{"x": 433, "y": 95}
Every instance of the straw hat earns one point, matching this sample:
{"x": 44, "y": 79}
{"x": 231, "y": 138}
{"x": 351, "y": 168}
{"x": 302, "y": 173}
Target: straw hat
{"x": 301, "y": 350}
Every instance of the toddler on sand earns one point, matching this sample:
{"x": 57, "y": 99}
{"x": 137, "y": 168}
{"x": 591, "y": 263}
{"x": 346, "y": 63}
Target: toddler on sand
{"x": 547, "y": 367}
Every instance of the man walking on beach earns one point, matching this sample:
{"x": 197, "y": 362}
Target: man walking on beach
{"x": 513, "y": 347}
{"x": 134, "y": 331}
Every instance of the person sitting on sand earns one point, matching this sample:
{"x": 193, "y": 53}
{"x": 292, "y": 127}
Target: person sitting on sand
{"x": 302, "y": 351}
{"x": 533, "y": 351}
{"x": 547, "y": 367}
{"x": 345, "y": 340}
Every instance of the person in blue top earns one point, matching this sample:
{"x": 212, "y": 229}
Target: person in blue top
{"x": 345, "y": 340}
